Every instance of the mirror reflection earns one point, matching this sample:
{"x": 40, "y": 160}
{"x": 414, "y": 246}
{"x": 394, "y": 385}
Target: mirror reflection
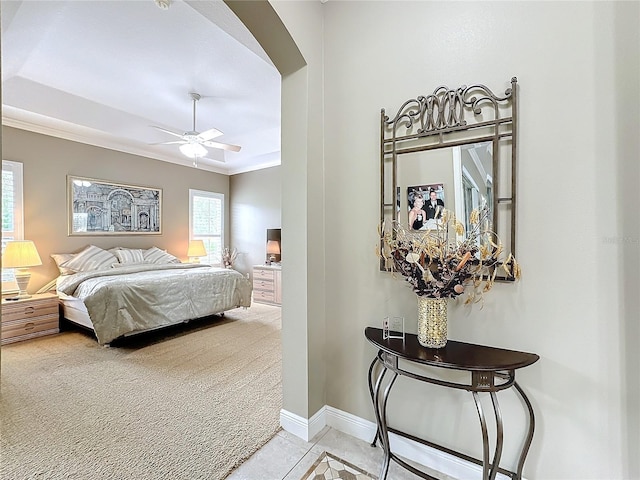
{"x": 460, "y": 179}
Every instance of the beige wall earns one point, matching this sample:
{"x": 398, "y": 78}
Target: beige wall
{"x": 48, "y": 160}
{"x": 255, "y": 207}
{"x": 577, "y": 64}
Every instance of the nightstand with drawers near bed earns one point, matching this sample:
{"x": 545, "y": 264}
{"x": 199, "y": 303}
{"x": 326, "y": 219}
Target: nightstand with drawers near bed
{"x": 31, "y": 317}
{"x": 266, "y": 284}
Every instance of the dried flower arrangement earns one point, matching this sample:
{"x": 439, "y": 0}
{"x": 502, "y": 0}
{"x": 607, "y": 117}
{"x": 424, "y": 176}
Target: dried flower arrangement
{"x": 438, "y": 265}
{"x": 229, "y": 256}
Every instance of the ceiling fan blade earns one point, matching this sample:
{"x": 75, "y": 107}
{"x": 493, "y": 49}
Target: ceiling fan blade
{"x": 177, "y": 142}
{"x": 224, "y": 146}
{"x": 168, "y": 131}
{"x": 209, "y": 134}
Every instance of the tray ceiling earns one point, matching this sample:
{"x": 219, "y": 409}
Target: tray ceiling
{"x": 104, "y": 72}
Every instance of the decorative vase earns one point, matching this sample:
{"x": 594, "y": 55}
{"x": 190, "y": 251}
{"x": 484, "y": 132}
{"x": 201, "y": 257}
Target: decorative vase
{"x": 432, "y": 322}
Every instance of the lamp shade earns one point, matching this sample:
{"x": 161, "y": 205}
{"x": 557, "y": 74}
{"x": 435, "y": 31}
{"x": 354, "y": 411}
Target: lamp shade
{"x": 273, "y": 247}
{"x": 20, "y": 254}
{"x": 196, "y": 249}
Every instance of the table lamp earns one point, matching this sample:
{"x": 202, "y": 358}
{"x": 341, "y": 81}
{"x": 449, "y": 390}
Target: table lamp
{"x": 273, "y": 249}
{"x": 196, "y": 250}
{"x": 21, "y": 254}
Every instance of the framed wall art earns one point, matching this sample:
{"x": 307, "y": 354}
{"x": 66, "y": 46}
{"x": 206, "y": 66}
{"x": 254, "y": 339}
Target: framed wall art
{"x": 98, "y": 207}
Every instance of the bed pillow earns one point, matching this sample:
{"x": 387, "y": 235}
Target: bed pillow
{"x": 130, "y": 255}
{"x": 159, "y": 257}
{"x": 60, "y": 258}
{"x": 91, "y": 258}
{"x": 136, "y": 264}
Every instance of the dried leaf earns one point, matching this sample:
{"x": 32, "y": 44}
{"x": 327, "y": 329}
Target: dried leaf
{"x": 427, "y": 276}
{"x": 433, "y": 262}
{"x": 465, "y": 259}
{"x": 505, "y": 267}
{"x": 412, "y": 257}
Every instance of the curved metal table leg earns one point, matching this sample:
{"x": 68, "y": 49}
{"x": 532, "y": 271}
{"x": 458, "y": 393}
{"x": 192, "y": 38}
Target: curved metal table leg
{"x": 384, "y": 433}
{"x": 485, "y": 437}
{"x": 529, "y": 437}
{"x": 371, "y": 367}
{"x": 499, "y": 436}
{"x": 375, "y": 398}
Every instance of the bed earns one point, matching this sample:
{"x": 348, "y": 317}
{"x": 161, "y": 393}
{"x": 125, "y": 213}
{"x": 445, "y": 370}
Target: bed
{"x": 116, "y": 299}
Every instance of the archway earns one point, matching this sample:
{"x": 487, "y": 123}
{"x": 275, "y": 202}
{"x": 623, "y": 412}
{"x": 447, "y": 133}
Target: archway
{"x": 303, "y": 301}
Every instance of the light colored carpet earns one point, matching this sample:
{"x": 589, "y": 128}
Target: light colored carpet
{"x": 187, "y": 403}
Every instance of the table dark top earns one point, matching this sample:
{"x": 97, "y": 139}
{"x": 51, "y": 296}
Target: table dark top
{"x": 455, "y": 355}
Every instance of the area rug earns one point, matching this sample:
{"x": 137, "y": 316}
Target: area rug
{"x": 187, "y": 403}
{"x": 330, "y": 467}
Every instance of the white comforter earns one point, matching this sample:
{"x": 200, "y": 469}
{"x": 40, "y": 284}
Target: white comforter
{"x": 135, "y": 298}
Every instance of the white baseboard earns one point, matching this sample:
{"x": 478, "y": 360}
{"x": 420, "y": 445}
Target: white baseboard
{"x": 365, "y": 430}
{"x": 303, "y": 428}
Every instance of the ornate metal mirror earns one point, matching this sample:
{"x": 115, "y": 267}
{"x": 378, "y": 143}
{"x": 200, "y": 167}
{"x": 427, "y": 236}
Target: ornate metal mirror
{"x": 453, "y": 149}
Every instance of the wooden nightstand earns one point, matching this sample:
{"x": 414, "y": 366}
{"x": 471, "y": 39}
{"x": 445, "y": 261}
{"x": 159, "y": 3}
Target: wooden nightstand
{"x": 266, "y": 284}
{"x": 30, "y": 317}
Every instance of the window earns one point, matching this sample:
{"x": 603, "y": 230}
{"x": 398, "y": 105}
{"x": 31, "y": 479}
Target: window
{"x": 12, "y": 220}
{"x": 206, "y": 223}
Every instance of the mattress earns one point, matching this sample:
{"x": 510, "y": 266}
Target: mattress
{"x": 74, "y": 310}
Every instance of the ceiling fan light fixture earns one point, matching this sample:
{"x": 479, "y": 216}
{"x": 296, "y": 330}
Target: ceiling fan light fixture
{"x": 163, "y": 4}
{"x": 193, "y": 150}
{"x": 193, "y": 143}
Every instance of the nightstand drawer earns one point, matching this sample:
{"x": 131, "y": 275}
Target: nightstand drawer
{"x": 31, "y": 309}
{"x": 263, "y": 285}
{"x": 260, "y": 274}
{"x": 264, "y": 296}
{"x": 13, "y": 331}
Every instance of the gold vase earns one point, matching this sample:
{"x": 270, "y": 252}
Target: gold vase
{"x": 432, "y": 322}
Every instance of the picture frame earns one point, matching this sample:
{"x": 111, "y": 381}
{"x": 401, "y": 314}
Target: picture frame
{"x": 393, "y": 327}
{"x": 431, "y": 213}
{"x": 101, "y": 207}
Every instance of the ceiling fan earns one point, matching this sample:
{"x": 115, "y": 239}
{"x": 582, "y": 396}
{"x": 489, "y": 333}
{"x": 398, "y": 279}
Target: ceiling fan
{"x": 192, "y": 143}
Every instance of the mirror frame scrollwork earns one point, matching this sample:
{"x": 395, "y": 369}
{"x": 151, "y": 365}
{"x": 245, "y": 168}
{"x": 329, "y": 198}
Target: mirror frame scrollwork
{"x": 452, "y": 118}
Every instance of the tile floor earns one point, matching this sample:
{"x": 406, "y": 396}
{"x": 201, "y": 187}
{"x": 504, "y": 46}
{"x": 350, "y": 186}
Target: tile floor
{"x": 287, "y": 457}
{"x": 331, "y": 467}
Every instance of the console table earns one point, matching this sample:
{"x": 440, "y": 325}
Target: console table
{"x": 491, "y": 370}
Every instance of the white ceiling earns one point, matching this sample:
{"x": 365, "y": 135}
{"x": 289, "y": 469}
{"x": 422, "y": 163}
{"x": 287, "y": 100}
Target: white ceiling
{"x": 103, "y": 72}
